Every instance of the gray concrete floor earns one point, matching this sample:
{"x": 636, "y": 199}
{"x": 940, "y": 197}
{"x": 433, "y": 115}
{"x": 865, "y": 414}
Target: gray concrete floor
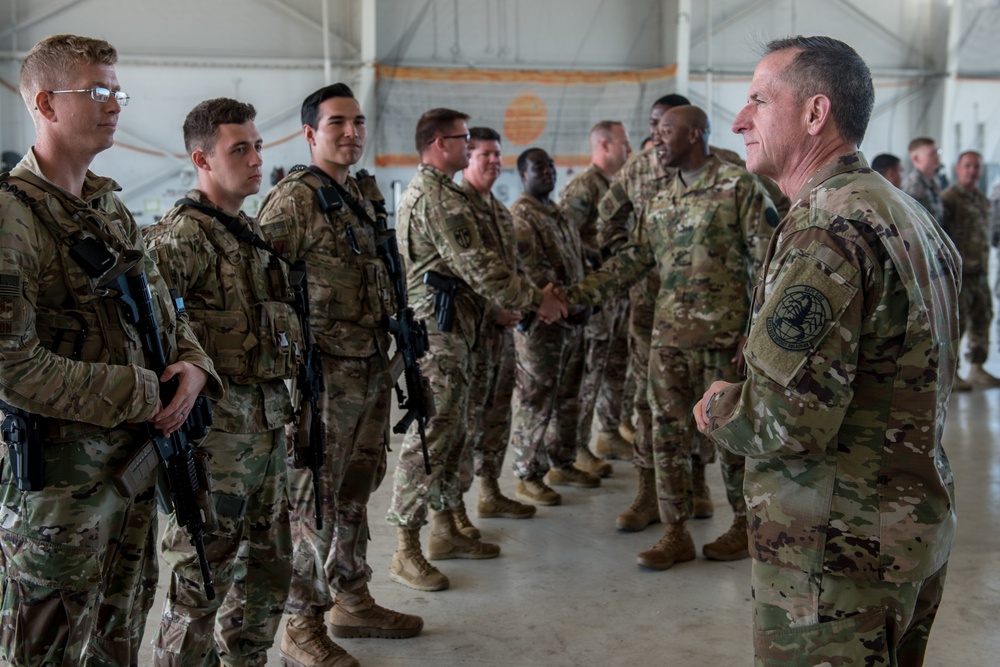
{"x": 566, "y": 591}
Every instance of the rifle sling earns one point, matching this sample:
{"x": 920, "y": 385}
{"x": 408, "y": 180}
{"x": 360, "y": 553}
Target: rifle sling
{"x": 235, "y": 227}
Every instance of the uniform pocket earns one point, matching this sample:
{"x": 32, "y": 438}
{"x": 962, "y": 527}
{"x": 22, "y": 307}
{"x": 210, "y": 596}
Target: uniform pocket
{"x": 856, "y": 641}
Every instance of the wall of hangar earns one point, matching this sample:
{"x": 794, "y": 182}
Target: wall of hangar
{"x": 540, "y": 71}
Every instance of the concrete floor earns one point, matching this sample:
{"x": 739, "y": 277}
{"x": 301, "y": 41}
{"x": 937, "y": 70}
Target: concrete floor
{"x": 566, "y": 591}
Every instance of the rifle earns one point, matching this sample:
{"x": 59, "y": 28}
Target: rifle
{"x": 188, "y": 481}
{"x": 309, "y": 383}
{"x": 409, "y": 333}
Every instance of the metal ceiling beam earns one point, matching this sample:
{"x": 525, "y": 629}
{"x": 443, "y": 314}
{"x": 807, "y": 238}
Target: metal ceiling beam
{"x": 738, "y": 16}
{"x": 866, "y": 19}
{"x": 43, "y": 16}
{"x": 306, "y": 20}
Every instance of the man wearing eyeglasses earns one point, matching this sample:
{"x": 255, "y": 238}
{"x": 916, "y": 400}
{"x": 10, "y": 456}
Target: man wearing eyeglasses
{"x": 75, "y": 544}
{"x": 440, "y": 240}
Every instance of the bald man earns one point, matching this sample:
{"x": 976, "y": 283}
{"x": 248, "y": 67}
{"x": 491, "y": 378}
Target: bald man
{"x": 706, "y": 233}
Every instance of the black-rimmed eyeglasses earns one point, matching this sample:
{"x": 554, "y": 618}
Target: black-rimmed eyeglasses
{"x": 98, "y": 94}
{"x": 465, "y": 136}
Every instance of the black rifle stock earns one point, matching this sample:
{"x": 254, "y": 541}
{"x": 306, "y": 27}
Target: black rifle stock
{"x": 189, "y": 486}
{"x": 309, "y": 384}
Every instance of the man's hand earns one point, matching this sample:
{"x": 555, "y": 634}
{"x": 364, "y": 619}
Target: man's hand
{"x": 700, "y": 418}
{"x": 191, "y": 380}
{"x": 508, "y": 319}
{"x": 553, "y": 304}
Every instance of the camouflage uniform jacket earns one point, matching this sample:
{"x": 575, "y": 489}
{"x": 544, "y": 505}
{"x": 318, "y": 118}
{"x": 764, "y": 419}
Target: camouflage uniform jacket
{"x": 851, "y": 359}
{"x": 706, "y": 239}
{"x": 438, "y": 231}
{"x": 578, "y": 203}
{"x": 349, "y": 289}
{"x": 927, "y": 191}
{"x": 995, "y": 217}
{"x": 45, "y": 296}
{"x": 966, "y": 217}
{"x": 227, "y": 287}
{"x": 496, "y": 227}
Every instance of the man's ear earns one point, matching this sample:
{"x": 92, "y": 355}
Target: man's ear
{"x": 200, "y": 160}
{"x": 43, "y": 103}
{"x": 817, "y": 113}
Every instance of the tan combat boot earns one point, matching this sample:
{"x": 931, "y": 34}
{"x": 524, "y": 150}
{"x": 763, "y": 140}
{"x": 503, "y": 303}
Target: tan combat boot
{"x": 534, "y": 490}
{"x": 676, "y": 546}
{"x": 703, "y": 506}
{"x": 732, "y": 544}
{"x": 611, "y": 445}
{"x": 410, "y": 568}
{"x": 572, "y": 476}
{"x": 645, "y": 509}
{"x": 587, "y": 462}
{"x": 494, "y": 505}
{"x": 464, "y": 524}
{"x": 356, "y": 615}
{"x": 447, "y": 542}
{"x": 979, "y": 378}
{"x": 306, "y": 644}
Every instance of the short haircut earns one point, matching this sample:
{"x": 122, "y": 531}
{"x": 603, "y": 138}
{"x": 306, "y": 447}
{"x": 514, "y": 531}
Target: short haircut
{"x": 920, "y": 142}
{"x": 50, "y": 62}
{"x": 827, "y": 66}
{"x": 522, "y": 159}
{"x": 884, "y": 162}
{"x": 433, "y": 123}
{"x": 483, "y": 134}
{"x": 201, "y": 127}
{"x": 605, "y": 127}
{"x": 672, "y": 100}
{"x": 310, "y": 105}
{"x": 964, "y": 153}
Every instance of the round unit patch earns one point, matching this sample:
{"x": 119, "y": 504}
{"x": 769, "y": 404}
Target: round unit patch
{"x": 799, "y": 318}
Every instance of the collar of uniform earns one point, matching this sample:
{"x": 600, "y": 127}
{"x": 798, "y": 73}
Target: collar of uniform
{"x": 436, "y": 174}
{"x": 94, "y": 186}
{"x": 598, "y": 173}
{"x": 706, "y": 176}
{"x": 843, "y": 164}
{"x": 550, "y": 210}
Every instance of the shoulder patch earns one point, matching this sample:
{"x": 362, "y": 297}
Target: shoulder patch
{"x": 463, "y": 237}
{"x": 804, "y": 305}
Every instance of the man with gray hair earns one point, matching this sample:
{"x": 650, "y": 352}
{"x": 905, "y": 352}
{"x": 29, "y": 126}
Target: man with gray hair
{"x": 850, "y": 359}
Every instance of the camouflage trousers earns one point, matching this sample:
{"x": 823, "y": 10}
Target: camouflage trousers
{"x": 448, "y": 367}
{"x": 804, "y": 619}
{"x": 77, "y": 560}
{"x": 545, "y": 410}
{"x": 677, "y": 380}
{"x": 248, "y": 479}
{"x": 487, "y": 430}
{"x": 975, "y": 313}
{"x": 605, "y": 359}
{"x": 335, "y": 558}
{"x": 640, "y": 331}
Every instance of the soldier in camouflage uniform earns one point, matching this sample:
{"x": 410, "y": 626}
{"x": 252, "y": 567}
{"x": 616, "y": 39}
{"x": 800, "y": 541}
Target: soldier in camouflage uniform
{"x": 606, "y": 342}
{"x": 922, "y": 183}
{"x": 488, "y": 427}
{"x": 76, "y": 556}
{"x": 439, "y": 238}
{"x": 232, "y": 292}
{"x": 706, "y": 233}
{"x": 966, "y": 221}
{"x": 850, "y": 358}
{"x": 309, "y": 215}
{"x": 549, "y": 356}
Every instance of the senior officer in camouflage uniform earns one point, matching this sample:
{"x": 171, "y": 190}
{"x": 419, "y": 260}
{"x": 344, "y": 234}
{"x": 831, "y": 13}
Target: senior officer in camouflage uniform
{"x": 851, "y": 358}
{"x": 76, "y": 553}
{"x": 966, "y": 221}
{"x": 605, "y": 338}
{"x": 488, "y": 427}
{"x": 549, "y": 357}
{"x": 233, "y": 293}
{"x": 349, "y": 292}
{"x": 706, "y": 233}
{"x": 635, "y": 186}
{"x": 439, "y": 236}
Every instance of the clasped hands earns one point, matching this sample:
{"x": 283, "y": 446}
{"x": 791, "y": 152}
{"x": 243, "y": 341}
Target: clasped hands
{"x": 554, "y": 305}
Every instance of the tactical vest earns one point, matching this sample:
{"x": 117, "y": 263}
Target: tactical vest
{"x": 261, "y": 340}
{"x": 355, "y": 286}
{"x": 90, "y": 325}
